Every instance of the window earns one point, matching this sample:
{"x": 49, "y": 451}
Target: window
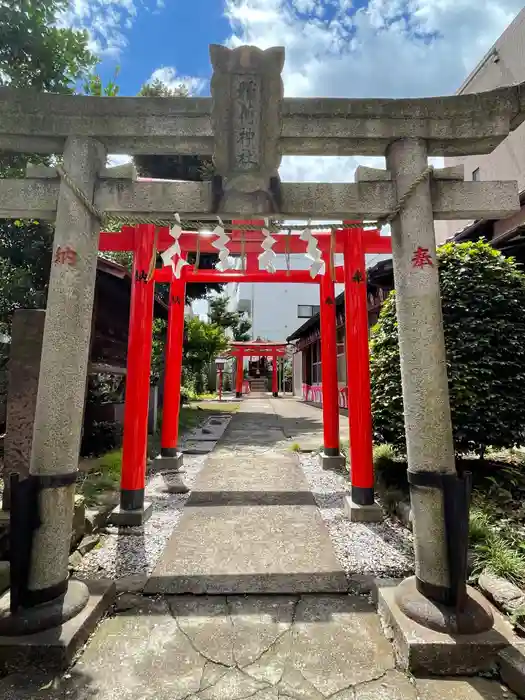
{"x": 316, "y": 363}
{"x": 304, "y": 311}
{"x": 476, "y": 175}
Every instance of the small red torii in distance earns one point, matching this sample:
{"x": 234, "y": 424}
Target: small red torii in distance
{"x": 239, "y": 350}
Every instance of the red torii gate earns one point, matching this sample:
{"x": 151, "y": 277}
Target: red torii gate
{"x": 239, "y": 350}
{"x": 145, "y": 241}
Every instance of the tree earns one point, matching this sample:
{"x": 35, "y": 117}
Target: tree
{"x": 35, "y": 53}
{"x": 483, "y": 302}
{"x": 192, "y": 168}
{"x": 203, "y": 343}
{"x": 219, "y": 314}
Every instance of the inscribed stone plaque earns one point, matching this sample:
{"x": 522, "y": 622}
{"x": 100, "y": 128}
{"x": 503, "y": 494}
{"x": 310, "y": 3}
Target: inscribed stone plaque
{"x": 247, "y": 93}
{"x": 27, "y": 332}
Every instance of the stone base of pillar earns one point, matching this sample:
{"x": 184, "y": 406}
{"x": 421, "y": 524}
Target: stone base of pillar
{"x": 173, "y": 481}
{"x": 27, "y": 639}
{"x": 362, "y": 514}
{"x": 334, "y": 463}
{"x": 130, "y": 518}
{"x": 426, "y": 651}
{"x": 173, "y": 463}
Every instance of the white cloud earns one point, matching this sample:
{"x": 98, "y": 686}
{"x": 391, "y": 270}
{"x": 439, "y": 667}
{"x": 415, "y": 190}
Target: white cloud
{"x": 106, "y": 22}
{"x": 168, "y": 75}
{"x": 389, "y": 48}
{"x": 115, "y": 160}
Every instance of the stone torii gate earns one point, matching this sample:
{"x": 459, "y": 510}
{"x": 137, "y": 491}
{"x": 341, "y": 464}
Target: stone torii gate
{"x": 247, "y": 126}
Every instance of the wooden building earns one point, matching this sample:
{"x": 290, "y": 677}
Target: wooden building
{"x": 307, "y": 365}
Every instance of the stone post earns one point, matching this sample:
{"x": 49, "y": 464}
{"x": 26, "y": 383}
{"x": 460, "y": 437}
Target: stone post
{"x": 428, "y": 426}
{"x": 63, "y": 368}
{"x": 27, "y": 331}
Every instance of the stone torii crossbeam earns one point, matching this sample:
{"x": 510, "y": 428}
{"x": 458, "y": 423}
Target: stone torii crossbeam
{"x": 247, "y": 125}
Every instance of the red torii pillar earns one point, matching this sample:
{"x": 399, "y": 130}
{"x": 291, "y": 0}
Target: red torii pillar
{"x": 331, "y": 457}
{"x": 275, "y": 384}
{"x": 240, "y": 374}
{"x": 169, "y": 457}
{"x": 133, "y": 510}
{"x": 362, "y": 505}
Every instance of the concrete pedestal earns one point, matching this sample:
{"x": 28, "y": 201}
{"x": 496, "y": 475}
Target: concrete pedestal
{"x": 334, "y": 463}
{"x": 54, "y": 648}
{"x": 130, "y": 518}
{"x": 421, "y": 650}
{"x": 172, "y": 464}
{"x": 362, "y": 514}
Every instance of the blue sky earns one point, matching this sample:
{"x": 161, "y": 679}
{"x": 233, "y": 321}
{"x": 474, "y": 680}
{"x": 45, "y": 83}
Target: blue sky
{"x": 176, "y": 36}
{"x": 334, "y": 48}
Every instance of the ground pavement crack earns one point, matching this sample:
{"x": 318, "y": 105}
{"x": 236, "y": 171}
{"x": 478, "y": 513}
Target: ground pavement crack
{"x": 226, "y": 667}
{"x": 272, "y": 645}
{"x": 355, "y": 686}
{"x": 196, "y": 648}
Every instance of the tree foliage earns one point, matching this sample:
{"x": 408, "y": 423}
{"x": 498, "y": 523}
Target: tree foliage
{"x": 219, "y": 314}
{"x": 34, "y": 53}
{"x": 483, "y": 303}
{"x": 191, "y": 168}
{"x": 203, "y": 343}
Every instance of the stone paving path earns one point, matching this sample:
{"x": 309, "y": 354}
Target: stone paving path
{"x": 235, "y": 647}
{"x": 243, "y": 528}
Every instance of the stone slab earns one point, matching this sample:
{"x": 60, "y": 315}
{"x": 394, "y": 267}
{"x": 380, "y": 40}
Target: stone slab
{"x": 248, "y": 549}
{"x": 250, "y": 526}
{"x": 55, "y": 648}
{"x": 193, "y": 447}
{"x": 362, "y": 514}
{"x": 460, "y": 689}
{"x": 130, "y": 518}
{"x": 511, "y": 663}
{"x": 214, "y": 648}
{"x": 263, "y": 647}
{"x": 424, "y": 651}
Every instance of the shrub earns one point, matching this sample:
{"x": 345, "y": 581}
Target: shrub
{"x": 100, "y": 437}
{"x": 483, "y": 302}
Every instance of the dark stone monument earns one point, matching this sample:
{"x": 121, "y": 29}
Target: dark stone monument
{"x": 23, "y": 370}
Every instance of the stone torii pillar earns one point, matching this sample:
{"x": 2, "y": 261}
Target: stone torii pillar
{"x": 437, "y": 597}
{"x": 51, "y": 598}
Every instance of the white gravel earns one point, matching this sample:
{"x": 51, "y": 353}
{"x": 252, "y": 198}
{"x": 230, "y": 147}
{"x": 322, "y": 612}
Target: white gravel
{"x": 136, "y": 550}
{"x": 378, "y": 549}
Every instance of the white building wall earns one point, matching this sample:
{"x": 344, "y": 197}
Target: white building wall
{"x": 503, "y": 65}
{"x": 297, "y": 377}
{"x": 273, "y": 307}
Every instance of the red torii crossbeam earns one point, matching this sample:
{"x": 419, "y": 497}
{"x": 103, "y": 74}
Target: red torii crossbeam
{"x": 146, "y": 240}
